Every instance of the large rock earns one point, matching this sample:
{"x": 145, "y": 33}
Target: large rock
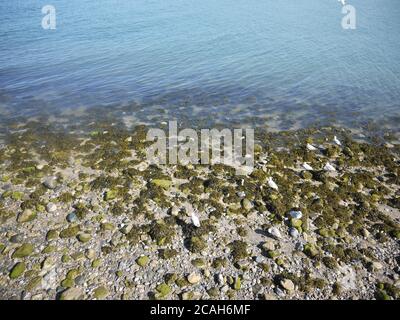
{"x": 23, "y": 251}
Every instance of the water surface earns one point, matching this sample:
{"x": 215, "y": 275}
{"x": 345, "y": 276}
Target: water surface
{"x": 285, "y": 63}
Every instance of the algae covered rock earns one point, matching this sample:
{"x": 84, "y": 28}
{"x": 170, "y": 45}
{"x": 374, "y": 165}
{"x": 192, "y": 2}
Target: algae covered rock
{"x": 70, "y": 232}
{"x": 84, "y": 237}
{"x": 110, "y": 194}
{"x": 17, "y": 270}
{"x": 101, "y": 293}
{"x": 197, "y": 244}
{"x": 23, "y": 251}
{"x": 163, "y": 290}
{"x": 26, "y": 216}
{"x": 310, "y": 250}
{"x": 142, "y": 261}
{"x": 34, "y": 283}
{"x": 163, "y": 183}
{"x": 237, "y": 284}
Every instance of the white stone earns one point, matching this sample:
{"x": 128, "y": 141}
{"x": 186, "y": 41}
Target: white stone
{"x": 194, "y": 278}
{"x": 274, "y": 232}
{"x": 296, "y": 214}
{"x": 51, "y": 207}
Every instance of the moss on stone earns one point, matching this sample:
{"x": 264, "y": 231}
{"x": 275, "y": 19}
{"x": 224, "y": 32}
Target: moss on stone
{"x": 100, "y": 293}
{"x": 23, "y": 251}
{"x": 70, "y": 232}
{"x": 17, "y": 270}
{"x": 239, "y": 250}
{"x": 142, "y": 261}
{"x": 163, "y": 290}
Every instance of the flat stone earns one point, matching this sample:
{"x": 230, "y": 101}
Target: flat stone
{"x": 26, "y": 216}
{"x": 18, "y": 238}
{"x": 268, "y": 245}
{"x": 84, "y": 237}
{"x": 17, "y": 270}
{"x": 274, "y": 232}
{"x": 23, "y": 251}
{"x": 194, "y": 278}
{"x": 375, "y": 266}
{"x": 142, "y": 261}
{"x": 48, "y": 263}
{"x": 287, "y": 284}
{"x": 174, "y": 211}
{"x": 72, "y": 294}
{"x": 101, "y": 293}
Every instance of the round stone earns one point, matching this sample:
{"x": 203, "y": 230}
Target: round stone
{"x": 72, "y": 217}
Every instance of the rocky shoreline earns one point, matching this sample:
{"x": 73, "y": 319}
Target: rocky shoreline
{"x": 84, "y": 216}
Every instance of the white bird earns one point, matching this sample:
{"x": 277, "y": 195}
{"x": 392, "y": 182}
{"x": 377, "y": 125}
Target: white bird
{"x": 272, "y": 184}
{"x": 343, "y": 2}
{"x": 310, "y": 147}
{"x": 307, "y": 166}
{"x": 195, "y": 220}
{"x": 337, "y": 141}
{"x": 329, "y": 167}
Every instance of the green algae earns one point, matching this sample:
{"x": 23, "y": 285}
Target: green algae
{"x": 239, "y": 250}
{"x": 23, "y": 251}
{"x": 17, "y": 270}
{"x": 70, "y": 232}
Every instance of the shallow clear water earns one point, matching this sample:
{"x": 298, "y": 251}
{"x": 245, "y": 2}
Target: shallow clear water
{"x": 286, "y": 63}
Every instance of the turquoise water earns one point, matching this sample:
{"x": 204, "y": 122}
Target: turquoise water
{"x": 287, "y": 63}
